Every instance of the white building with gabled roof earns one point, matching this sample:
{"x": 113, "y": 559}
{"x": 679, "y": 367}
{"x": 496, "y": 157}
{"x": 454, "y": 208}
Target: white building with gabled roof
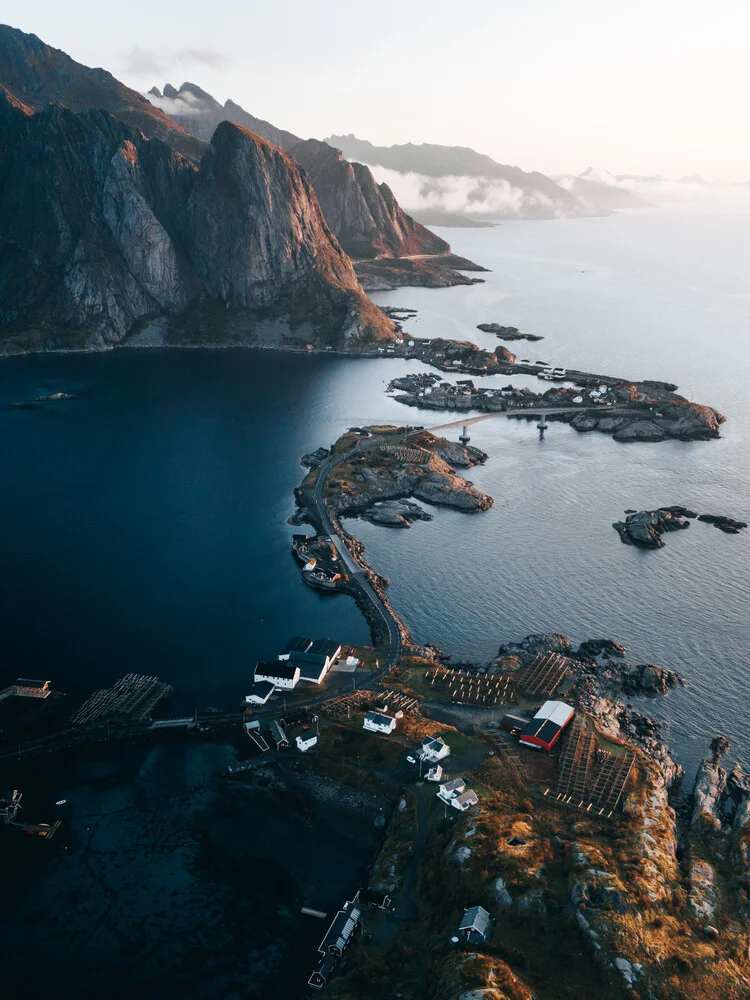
{"x": 435, "y": 748}
{"x": 374, "y": 722}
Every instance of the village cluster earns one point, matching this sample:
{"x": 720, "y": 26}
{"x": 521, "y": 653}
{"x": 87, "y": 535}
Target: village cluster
{"x": 440, "y": 393}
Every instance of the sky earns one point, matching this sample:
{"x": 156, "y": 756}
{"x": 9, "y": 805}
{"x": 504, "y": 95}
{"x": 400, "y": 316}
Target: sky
{"x": 652, "y": 86}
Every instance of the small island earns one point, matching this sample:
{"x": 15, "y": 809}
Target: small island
{"x": 644, "y": 528}
{"x": 507, "y": 332}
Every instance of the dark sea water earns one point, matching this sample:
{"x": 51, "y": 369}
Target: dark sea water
{"x": 143, "y": 528}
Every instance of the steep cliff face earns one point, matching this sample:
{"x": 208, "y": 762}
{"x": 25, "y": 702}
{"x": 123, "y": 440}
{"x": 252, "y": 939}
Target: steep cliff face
{"x": 38, "y": 75}
{"x": 103, "y": 231}
{"x": 364, "y": 215}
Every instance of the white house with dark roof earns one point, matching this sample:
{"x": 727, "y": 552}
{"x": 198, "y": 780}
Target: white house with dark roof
{"x": 260, "y": 693}
{"x": 435, "y": 748}
{"x": 451, "y": 789}
{"x": 465, "y": 801}
{"x": 283, "y": 676}
{"x": 305, "y": 741}
{"x": 476, "y": 925}
{"x": 314, "y": 657}
{"x": 376, "y": 723}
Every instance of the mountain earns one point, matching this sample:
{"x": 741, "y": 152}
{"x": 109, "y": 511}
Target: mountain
{"x": 601, "y": 190}
{"x": 365, "y": 216}
{"x": 499, "y": 190}
{"x": 106, "y": 234}
{"x": 38, "y": 75}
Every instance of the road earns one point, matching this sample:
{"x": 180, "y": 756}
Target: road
{"x": 356, "y": 573}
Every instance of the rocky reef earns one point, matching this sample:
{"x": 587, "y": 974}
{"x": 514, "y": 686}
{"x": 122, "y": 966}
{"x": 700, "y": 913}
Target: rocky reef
{"x": 644, "y": 528}
{"x": 507, "y": 332}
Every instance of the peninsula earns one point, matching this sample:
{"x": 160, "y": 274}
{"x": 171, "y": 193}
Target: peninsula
{"x": 576, "y": 851}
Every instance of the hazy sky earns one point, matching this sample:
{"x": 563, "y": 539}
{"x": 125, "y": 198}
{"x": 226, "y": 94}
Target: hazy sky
{"x": 647, "y": 86}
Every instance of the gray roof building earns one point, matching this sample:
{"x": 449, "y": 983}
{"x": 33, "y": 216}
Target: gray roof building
{"x": 476, "y": 925}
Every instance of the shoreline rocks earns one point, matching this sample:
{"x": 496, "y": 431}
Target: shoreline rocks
{"x": 396, "y": 513}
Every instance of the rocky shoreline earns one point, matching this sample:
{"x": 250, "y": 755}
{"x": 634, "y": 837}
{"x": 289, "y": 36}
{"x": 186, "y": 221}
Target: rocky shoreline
{"x": 384, "y": 274}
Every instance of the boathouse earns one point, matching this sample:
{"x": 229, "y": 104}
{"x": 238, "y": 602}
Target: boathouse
{"x": 341, "y": 932}
{"x": 376, "y": 723}
{"x": 314, "y": 657}
{"x": 283, "y": 676}
{"x": 476, "y": 925}
{"x": 260, "y": 693}
{"x": 546, "y": 727}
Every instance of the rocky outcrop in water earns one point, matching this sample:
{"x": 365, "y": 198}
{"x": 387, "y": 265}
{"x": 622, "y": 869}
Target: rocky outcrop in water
{"x": 645, "y": 528}
{"x": 506, "y": 332}
{"x": 104, "y": 232}
{"x": 396, "y": 513}
{"x": 726, "y": 524}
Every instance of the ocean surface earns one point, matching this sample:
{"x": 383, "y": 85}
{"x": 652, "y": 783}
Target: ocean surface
{"x": 143, "y": 525}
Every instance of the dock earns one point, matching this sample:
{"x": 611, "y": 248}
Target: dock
{"x": 25, "y": 688}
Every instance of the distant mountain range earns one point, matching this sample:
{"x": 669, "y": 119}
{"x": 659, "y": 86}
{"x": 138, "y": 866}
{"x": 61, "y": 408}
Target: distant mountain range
{"x": 365, "y": 216}
{"x": 116, "y": 223}
{"x": 457, "y": 179}
{"x": 603, "y": 190}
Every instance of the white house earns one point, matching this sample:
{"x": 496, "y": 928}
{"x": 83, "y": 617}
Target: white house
{"x": 434, "y": 748}
{"x": 465, "y": 801}
{"x": 451, "y": 789}
{"x": 260, "y": 693}
{"x": 283, "y": 676}
{"x": 435, "y": 773}
{"x": 476, "y": 925}
{"x": 306, "y": 741}
{"x": 376, "y": 723}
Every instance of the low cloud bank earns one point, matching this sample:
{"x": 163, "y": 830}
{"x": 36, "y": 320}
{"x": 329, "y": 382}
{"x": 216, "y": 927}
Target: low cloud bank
{"x": 665, "y": 190}
{"x": 472, "y": 196}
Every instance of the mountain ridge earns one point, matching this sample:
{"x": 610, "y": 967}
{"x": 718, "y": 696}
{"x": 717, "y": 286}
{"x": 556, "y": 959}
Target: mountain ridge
{"x": 365, "y": 216}
{"x": 104, "y": 231}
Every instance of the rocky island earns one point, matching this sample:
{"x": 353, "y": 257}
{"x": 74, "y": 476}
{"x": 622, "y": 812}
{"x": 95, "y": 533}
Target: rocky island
{"x": 644, "y": 528}
{"x": 627, "y": 410}
{"x": 507, "y": 332}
